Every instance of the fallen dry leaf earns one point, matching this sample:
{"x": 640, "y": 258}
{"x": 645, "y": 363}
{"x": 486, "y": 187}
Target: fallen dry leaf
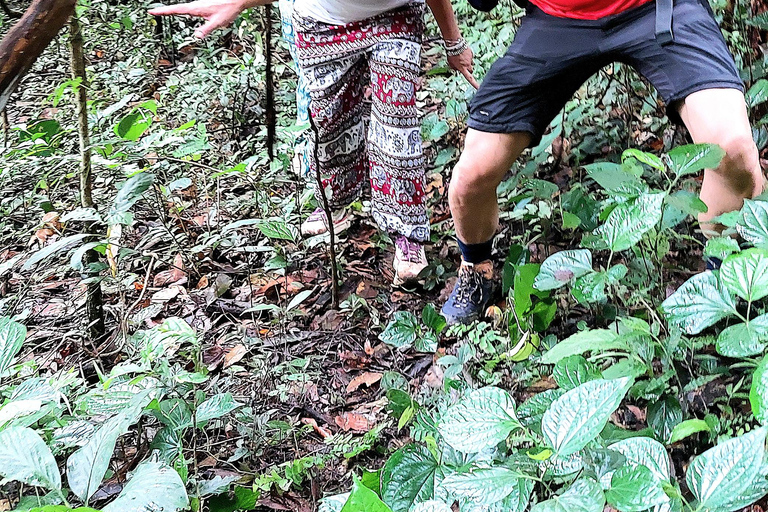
{"x": 321, "y": 431}
{"x": 367, "y": 378}
{"x": 234, "y": 355}
{"x": 355, "y": 422}
{"x": 175, "y": 274}
{"x": 166, "y": 294}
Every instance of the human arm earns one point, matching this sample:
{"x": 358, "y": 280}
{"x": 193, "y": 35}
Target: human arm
{"x": 446, "y": 20}
{"x": 216, "y": 13}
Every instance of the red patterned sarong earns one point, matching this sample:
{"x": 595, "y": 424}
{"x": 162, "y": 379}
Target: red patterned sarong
{"x": 339, "y": 62}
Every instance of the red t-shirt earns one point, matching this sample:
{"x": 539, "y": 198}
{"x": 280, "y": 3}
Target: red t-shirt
{"x": 586, "y": 9}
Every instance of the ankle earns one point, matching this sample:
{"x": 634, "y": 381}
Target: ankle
{"x": 484, "y": 268}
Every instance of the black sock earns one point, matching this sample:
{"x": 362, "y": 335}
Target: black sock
{"x": 476, "y": 253}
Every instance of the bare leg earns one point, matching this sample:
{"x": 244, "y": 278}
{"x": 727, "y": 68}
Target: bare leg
{"x": 719, "y": 116}
{"x": 472, "y": 194}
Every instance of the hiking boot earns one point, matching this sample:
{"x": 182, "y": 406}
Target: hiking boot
{"x": 316, "y": 223}
{"x": 410, "y": 260}
{"x": 713, "y": 263}
{"x": 471, "y": 295}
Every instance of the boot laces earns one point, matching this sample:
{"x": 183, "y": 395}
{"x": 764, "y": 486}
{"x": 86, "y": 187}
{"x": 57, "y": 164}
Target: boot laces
{"x": 470, "y": 281}
{"x": 411, "y": 250}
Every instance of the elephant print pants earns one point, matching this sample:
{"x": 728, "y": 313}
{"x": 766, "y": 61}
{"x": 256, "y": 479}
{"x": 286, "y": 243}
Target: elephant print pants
{"x": 338, "y": 63}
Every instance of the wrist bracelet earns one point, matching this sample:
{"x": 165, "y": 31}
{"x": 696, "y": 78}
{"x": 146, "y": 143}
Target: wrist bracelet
{"x": 457, "y": 47}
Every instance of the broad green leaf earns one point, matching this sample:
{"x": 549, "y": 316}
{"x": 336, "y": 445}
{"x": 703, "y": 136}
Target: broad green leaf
{"x": 758, "y": 393}
{"x": 584, "y": 495}
{"x": 573, "y": 371}
{"x": 215, "y": 407}
{"x": 133, "y": 126}
{"x": 724, "y": 472}
{"x": 746, "y": 274}
{"x": 431, "y": 506}
{"x": 154, "y": 486}
{"x": 753, "y": 492}
{"x": 758, "y": 93}
{"x": 693, "y": 158}
{"x": 163, "y": 340}
{"x": 483, "y": 485}
{"x": 333, "y": 503}
{"x": 720, "y": 247}
{"x": 577, "y": 417}
{"x": 117, "y": 395}
{"x": 531, "y": 412}
{"x": 612, "y": 177}
{"x": 480, "y": 420}
{"x": 25, "y": 458}
{"x": 411, "y": 475}
{"x": 401, "y": 330}
{"x": 12, "y": 336}
{"x": 18, "y": 409}
{"x": 700, "y": 302}
{"x": 60, "y": 245}
{"x": 590, "y": 288}
{"x": 744, "y": 340}
{"x": 517, "y": 501}
{"x": 582, "y": 342}
{"x": 629, "y": 221}
{"x": 753, "y": 225}
{"x": 277, "y": 229}
{"x": 130, "y": 192}
{"x": 664, "y": 415}
{"x": 563, "y": 267}
{"x": 646, "y": 452}
{"x": 432, "y": 319}
{"x": 88, "y": 465}
{"x": 686, "y": 429}
{"x": 634, "y": 489}
{"x": 641, "y": 156}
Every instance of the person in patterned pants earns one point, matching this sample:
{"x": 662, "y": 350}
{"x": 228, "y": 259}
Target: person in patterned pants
{"x": 342, "y": 47}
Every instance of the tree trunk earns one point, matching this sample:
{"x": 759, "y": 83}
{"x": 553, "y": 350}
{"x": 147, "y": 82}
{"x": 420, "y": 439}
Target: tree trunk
{"x": 93, "y": 302}
{"x": 27, "y": 39}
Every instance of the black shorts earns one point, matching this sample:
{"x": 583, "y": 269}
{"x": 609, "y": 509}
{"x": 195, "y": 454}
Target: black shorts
{"x": 552, "y": 57}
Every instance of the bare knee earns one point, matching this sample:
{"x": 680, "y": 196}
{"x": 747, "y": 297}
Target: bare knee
{"x": 740, "y": 166}
{"x": 473, "y": 179}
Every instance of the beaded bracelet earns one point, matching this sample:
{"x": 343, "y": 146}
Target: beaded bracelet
{"x": 457, "y": 47}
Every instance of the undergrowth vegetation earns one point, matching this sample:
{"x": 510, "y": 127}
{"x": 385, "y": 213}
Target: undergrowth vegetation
{"x": 614, "y": 373}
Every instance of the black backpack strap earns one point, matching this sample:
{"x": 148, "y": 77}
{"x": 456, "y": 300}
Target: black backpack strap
{"x": 664, "y": 34}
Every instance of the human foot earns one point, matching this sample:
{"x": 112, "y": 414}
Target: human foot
{"x": 410, "y": 260}
{"x": 471, "y": 295}
{"x": 317, "y": 224}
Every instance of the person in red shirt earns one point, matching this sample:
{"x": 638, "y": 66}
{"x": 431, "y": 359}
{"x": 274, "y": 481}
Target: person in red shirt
{"x": 675, "y": 44}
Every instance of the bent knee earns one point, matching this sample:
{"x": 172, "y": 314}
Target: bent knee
{"x": 741, "y": 155}
{"x": 470, "y": 179}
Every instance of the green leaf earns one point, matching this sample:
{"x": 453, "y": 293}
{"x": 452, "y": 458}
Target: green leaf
{"x": 483, "y": 485}
{"x": 562, "y": 268}
{"x": 744, "y": 340}
{"x": 401, "y": 330}
{"x": 746, "y": 274}
{"x": 758, "y": 93}
{"x": 582, "y": 342}
{"x": 758, "y": 393}
{"x": 753, "y": 225}
{"x": 480, "y": 420}
{"x": 724, "y": 472}
{"x": 687, "y": 428}
{"x": 88, "y": 465}
{"x": 693, "y": 158}
{"x": 574, "y": 371}
{"x": 584, "y": 495}
{"x": 590, "y": 288}
{"x": 531, "y": 412}
{"x": 516, "y": 501}
{"x": 25, "y": 458}
{"x": 645, "y": 452}
{"x": 60, "y": 245}
{"x": 629, "y": 221}
{"x": 577, "y": 417}
{"x": 647, "y": 158}
{"x": 432, "y": 319}
{"x": 216, "y": 407}
{"x": 700, "y": 302}
{"x": 634, "y": 489}
{"x": 721, "y": 247}
{"x": 130, "y": 192}
{"x": 133, "y": 126}
{"x": 411, "y": 475}
{"x": 612, "y": 177}
{"x": 277, "y": 229}
{"x": 431, "y": 506}
{"x": 571, "y": 220}
{"x": 12, "y": 336}
{"x": 664, "y": 415}
{"x": 154, "y": 486}
{"x": 332, "y": 503}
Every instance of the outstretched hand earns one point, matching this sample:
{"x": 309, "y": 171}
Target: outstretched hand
{"x": 463, "y": 64}
{"x": 216, "y": 13}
